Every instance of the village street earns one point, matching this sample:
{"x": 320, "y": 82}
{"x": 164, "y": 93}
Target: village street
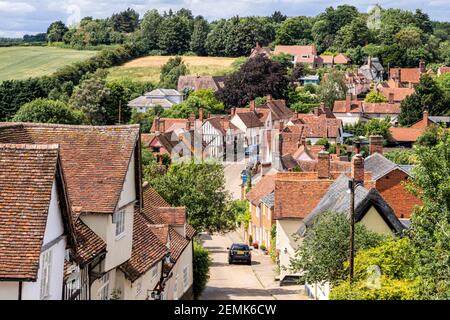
{"x": 243, "y": 282}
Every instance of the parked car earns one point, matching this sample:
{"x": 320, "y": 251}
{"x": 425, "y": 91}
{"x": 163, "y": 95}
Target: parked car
{"x": 239, "y": 253}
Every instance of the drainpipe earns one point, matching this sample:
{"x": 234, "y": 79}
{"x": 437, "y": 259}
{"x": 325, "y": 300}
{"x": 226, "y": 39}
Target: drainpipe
{"x": 20, "y": 291}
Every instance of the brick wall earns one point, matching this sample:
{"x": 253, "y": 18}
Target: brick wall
{"x": 395, "y": 193}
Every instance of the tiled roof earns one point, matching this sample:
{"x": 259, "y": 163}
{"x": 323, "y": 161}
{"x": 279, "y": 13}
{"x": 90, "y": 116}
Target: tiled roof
{"x": 95, "y": 159}
{"x": 379, "y": 165}
{"x": 177, "y": 244}
{"x": 299, "y": 51}
{"x": 400, "y": 94}
{"x": 406, "y": 74}
{"x": 406, "y": 134}
{"x": 27, "y": 173}
{"x": 288, "y": 162}
{"x": 261, "y": 189}
{"x": 250, "y": 120}
{"x": 297, "y": 194}
{"x": 269, "y": 200}
{"x": 89, "y": 245}
{"x": 147, "y": 249}
{"x": 341, "y": 59}
{"x": 363, "y": 107}
{"x": 279, "y": 110}
{"x": 223, "y": 124}
{"x": 337, "y": 200}
{"x": 200, "y": 82}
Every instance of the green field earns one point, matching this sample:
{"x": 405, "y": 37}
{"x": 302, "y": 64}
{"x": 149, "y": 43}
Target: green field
{"x": 25, "y": 62}
{"x": 149, "y": 68}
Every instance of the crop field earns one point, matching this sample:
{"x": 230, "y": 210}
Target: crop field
{"x": 149, "y": 68}
{"x": 25, "y": 62}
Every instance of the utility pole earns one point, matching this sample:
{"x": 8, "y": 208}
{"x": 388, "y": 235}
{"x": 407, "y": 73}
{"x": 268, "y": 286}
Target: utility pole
{"x": 352, "y": 185}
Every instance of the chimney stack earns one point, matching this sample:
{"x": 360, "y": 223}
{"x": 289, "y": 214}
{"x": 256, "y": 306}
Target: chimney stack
{"x": 252, "y": 105}
{"x": 157, "y": 124}
{"x": 391, "y": 97}
{"x": 357, "y": 147}
{"x": 422, "y": 66}
{"x": 201, "y": 114}
{"x": 376, "y": 144}
{"x": 316, "y": 111}
{"x": 348, "y": 102}
{"x": 162, "y": 125}
{"x": 233, "y": 111}
{"x": 358, "y": 168}
{"x": 323, "y": 165}
{"x": 269, "y": 98}
{"x": 281, "y": 126}
{"x": 425, "y": 118}
{"x": 338, "y": 150}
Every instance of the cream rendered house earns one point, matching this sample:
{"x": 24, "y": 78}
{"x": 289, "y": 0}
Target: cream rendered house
{"x": 371, "y": 210}
{"x": 33, "y": 197}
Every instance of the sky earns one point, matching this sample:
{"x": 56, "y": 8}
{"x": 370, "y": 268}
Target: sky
{"x": 19, "y": 17}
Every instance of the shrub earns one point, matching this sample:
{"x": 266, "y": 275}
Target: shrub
{"x": 201, "y": 263}
{"x": 48, "y": 111}
{"x": 263, "y": 247}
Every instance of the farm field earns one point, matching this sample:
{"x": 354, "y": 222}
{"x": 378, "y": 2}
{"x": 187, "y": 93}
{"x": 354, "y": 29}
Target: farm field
{"x": 149, "y": 68}
{"x": 25, "y": 62}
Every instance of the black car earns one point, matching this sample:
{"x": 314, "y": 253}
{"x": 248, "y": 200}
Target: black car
{"x": 239, "y": 253}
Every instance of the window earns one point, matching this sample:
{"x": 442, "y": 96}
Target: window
{"x": 103, "y": 292}
{"x": 175, "y": 288}
{"x": 185, "y": 277}
{"x": 45, "y": 274}
{"x": 119, "y": 221}
{"x": 139, "y": 288}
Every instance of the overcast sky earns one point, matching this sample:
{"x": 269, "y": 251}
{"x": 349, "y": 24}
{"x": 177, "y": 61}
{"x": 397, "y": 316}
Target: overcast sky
{"x": 19, "y": 17}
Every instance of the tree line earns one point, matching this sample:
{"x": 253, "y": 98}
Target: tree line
{"x": 398, "y": 37}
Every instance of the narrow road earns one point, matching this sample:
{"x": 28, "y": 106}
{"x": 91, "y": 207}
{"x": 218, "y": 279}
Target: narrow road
{"x": 243, "y": 282}
{"x": 233, "y": 178}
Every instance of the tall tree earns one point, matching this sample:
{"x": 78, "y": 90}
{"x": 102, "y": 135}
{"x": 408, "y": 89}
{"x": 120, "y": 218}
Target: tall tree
{"x": 258, "y": 77}
{"x": 294, "y": 31}
{"x": 174, "y": 34}
{"x": 171, "y": 71}
{"x": 149, "y": 31}
{"x": 199, "y": 35}
{"x": 332, "y": 88}
{"x": 126, "y": 21}
{"x": 56, "y": 31}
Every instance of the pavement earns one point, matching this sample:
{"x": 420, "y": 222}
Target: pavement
{"x": 243, "y": 282}
{"x": 233, "y": 178}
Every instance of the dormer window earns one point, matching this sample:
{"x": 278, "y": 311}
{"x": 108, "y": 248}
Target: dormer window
{"x": 119, "y": 221}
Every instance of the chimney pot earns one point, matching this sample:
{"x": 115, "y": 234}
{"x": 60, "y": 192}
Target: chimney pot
{"x": 201, "y": 114}
{"x": 358, "y": 168}
{"x": 323, "y": 165}
{"x": 425, "y": 118}
{"x": 391, "y": 97}
{"x": 252, "y": 105}
{"x": 269, "y": 98}
{"x": 376, "y": 144}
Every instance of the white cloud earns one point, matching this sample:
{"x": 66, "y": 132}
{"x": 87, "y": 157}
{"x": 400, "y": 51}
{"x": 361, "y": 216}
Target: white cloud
{"x": 16, "y": 7}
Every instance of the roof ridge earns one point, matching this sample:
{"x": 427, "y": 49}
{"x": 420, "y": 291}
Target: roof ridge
{"x": 72, "y": 126}
{"x": 29, "y": 146}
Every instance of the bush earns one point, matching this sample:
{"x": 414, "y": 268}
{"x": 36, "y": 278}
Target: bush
{"x": 263, "y": 247}
{"x": 202, "y": 263}
{"x": 48, "y": 111}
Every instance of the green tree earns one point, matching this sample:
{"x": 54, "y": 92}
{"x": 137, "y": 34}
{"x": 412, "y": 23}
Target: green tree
{"x": 202, "y": 263}
{"x": 126, "y": 21}
{"x": 409, "y": 37}
{"x": 171, "y": 71}
{"x": 174, "y": 34}
{"x": 352, "y": 35}
{"x": 199, "y": 35}
{"x": 403, "y": 157}
{"x": 428, "y": 96}
{"x": 92, "y": 97}
{"x": 375, "y": 97}
{"x": 56, "y": 31}
{"x": 200, "y": 187}
{"x": 294, "y": 31}
{"x": 379, "y": 127}
{"x": 48, "y": 111}
{"x": 332, "y": 88}
{"x": 325, "y": 248}
{"x": 149, "y": 31}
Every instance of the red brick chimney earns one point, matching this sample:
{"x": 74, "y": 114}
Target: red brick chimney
{"x": 376, "y": 144}
{"x": 201, "y": 114}
{"x": 357, "y": 147}
{"x": 233, "y": 111}
{"x": 252, "y": 105}
{"x": 358, "y": 168}
{"x": 323, "y": 165}
{"x": 157, "y": 124}
{"x": 348, "y": 102}
{"x": 425, "y": 118}
{"x": 281, "y": 126}
{"x": 338, "y": 150}
{"x": 391, "y": 97}
{"x": 422, "y": 66}
{"x": 269, "y": 98}
{"x": 162, "y": 125}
